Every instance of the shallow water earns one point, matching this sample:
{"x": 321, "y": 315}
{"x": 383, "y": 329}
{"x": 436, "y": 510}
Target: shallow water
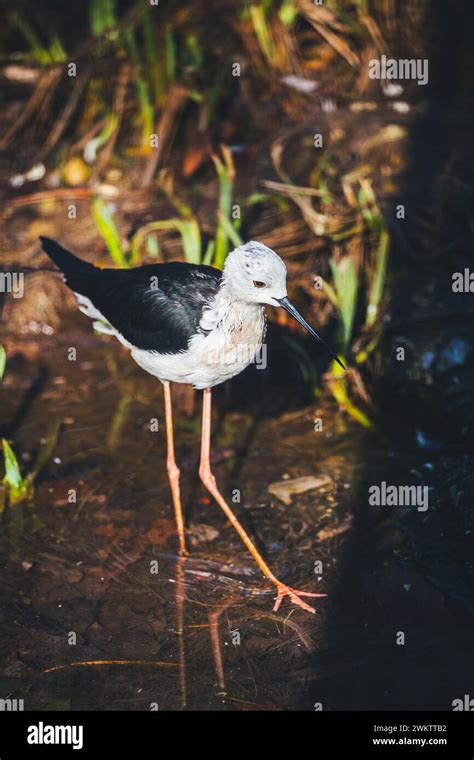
{"x": 98, "y": 611}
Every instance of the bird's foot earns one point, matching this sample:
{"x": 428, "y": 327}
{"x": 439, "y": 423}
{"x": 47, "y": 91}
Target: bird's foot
{"x": 294, "y": 597}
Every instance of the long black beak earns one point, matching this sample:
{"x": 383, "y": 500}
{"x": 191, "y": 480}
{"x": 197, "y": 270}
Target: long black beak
{"x": 288, "y": 306}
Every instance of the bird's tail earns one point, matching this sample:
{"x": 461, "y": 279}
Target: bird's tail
{"x": 65, "y": 260}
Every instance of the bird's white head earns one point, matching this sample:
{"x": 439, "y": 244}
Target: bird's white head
{"x": 255, "y": 274}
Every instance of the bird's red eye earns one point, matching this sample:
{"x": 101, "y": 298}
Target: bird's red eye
{"x": 259, "y": 284}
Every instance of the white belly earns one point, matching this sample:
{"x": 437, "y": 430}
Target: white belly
{"x": 209, "y": 360}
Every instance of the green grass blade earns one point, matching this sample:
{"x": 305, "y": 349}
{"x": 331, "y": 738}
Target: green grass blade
{"x": 41, "y": 54}
{"x": 378, "y": 282}
{"x": 209, "y": 254}
{"x": 152, "y": 246}
{"x": 144, "y": 99}
{"x": 56, "y": 49}
{"x": 226, "y": 182}
{"x": 13, "y": 477}
{"x": 288, "y": 12}
{"x": 151, "y": 50}
{"x": 3, "y": 361}
{"x": 229, "y": 229}
{"x": 331, "y": 293}
{"x": 102, "y": 16}
{"x": 345, "y": 282}
{"x": 262, "y": 32}
{"x": 187, "y": 228}
{"x": 338, "y": 388}
{"x": 170, "y": 56}
{"x": 107, "y": 228}
{"x": 191, "y": 237}
{"x": 194, "y": 52}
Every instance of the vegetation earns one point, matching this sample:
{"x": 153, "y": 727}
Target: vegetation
{"x": 16, "y": 486}
{"x": 167, "y": 107}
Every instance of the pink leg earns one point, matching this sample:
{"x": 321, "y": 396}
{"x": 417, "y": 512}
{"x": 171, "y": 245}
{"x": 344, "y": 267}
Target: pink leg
{"x": 180, "y": 598}
{"x": 213, "y": 618}
{"x": 209, "y": 481}
{"x": 173, "y": 471}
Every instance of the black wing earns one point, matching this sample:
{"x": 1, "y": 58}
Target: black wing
{"x": 156, "y": 307}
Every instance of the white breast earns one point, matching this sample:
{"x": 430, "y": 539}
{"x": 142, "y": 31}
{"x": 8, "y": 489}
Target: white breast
{"x": 212, "y": 358}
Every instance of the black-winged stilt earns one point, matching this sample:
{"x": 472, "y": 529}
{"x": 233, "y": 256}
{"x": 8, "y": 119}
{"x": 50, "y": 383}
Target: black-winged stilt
{"x": 188, "y": 323}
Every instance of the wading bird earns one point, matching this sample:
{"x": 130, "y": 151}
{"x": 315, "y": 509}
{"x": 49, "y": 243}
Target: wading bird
{"x": 188, "y": 323}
